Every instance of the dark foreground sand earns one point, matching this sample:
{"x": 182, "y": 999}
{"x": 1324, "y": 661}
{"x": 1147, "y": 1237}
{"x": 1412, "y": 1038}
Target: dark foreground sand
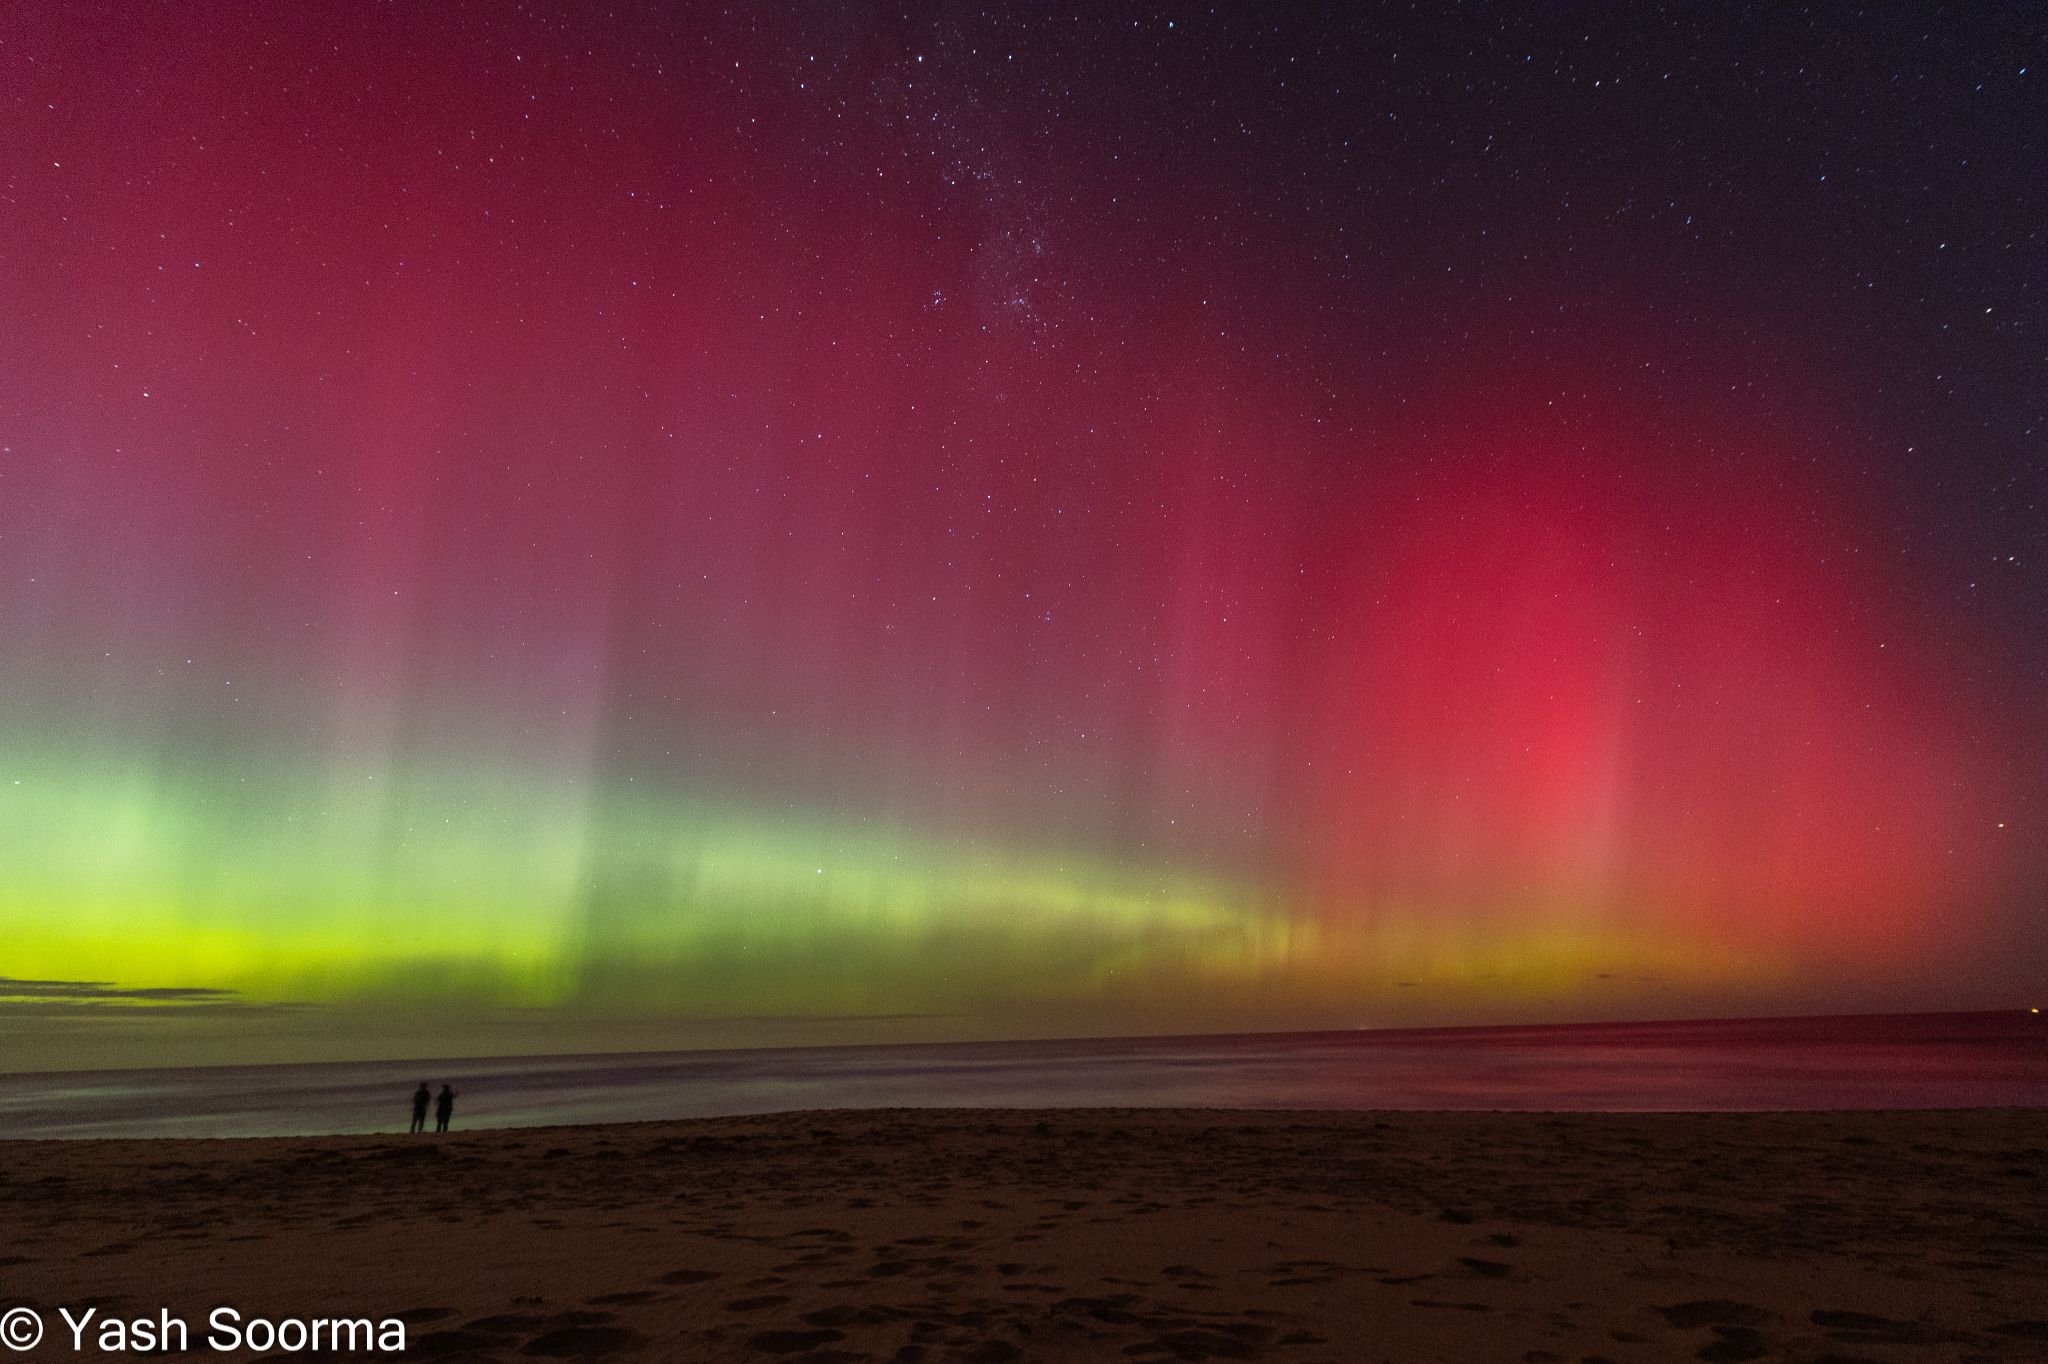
{"x": 1104, "y": 1235}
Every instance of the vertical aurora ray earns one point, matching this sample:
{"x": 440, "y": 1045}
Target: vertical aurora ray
{"x": 879, "y": 538}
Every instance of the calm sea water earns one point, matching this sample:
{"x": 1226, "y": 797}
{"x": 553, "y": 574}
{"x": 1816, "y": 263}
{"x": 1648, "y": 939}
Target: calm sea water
{"x": 1887, "y": 1061}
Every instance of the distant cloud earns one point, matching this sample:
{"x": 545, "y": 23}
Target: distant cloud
{"x": 821, "y": 1018}
{"x": 53, "y": 998}
{"x": 554, "y": 1011}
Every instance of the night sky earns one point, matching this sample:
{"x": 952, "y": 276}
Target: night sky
{"x": 660, "y": 525}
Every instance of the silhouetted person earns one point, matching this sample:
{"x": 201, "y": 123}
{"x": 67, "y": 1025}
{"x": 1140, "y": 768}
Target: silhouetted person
{"x": 444, "y": 1107}
{"x": 420, "y": 1099}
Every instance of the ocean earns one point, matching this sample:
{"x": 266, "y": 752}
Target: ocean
{"x": 1869, "y": 1061}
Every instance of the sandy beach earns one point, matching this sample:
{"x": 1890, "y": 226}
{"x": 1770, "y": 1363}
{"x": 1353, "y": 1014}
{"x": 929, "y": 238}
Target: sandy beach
{"x": 1090, "y": 1235}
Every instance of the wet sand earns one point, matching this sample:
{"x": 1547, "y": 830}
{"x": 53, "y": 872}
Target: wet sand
{"x": 1077, "y": 1235}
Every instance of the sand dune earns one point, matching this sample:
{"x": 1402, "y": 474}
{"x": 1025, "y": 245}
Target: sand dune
{"x": 1096, "y": 1235}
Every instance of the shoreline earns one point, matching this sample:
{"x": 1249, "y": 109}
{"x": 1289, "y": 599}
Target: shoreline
{"x": 1901, "y": 1062}
{"x": 1217, "y": 1114}
{"x": 990, "y": 1235}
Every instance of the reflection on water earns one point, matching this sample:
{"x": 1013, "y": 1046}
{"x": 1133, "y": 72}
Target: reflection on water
{"x": 1886, "y": 1061}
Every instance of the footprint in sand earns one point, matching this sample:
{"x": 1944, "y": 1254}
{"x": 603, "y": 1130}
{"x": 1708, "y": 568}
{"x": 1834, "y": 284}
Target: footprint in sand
{"x": 1864, "y": 1328}
{"x": 792, "y": 1342}
{"x": 1734, "y": 1345}
{"x": 435, "y": 1344}
{"x": 506, "y": 1323}
{"x": 580, "y": 1342}
{"x": 492, "y": 1333}
{"x": 843, "y": 1315}
{"x": 1689, "y": 1316}
{"x": 1201, "y": 1342}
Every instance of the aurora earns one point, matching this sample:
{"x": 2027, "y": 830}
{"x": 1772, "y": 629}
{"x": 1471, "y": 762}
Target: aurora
{"x": 724, "y": 533}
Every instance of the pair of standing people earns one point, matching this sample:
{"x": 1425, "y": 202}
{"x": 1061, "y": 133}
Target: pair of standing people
{"x": 444, "y": 1108}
